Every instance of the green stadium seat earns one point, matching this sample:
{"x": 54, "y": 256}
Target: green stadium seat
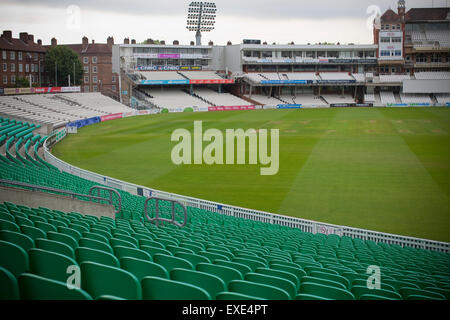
{"x": 95, "y": 244}
{"x": 358, "y": 291}
{"x": 126, "y": 238}
{"x": 91, "y": 255}
{"x": 21, "y": 221}
{"x": 34, "y": 287}
{"x": 444, "y": 292}
{"x": 9, "y": 225}
{"x": 50, "y": 265}
{"x": 55, "y": 246}
{"x": 33, "y": 232}
{"x": 192, "y": 258}
{"x": 273, "y": 281}
{"x": 154, "y": 288}
{"x": 407, "y": 292}
{"x": 256, "y": 289}
{"x": 6, "y": 216}
{"x": 153, "y": 251}
{"x": 251, "y": 263}
{"x": 227, "y": 274}
{"x": 331, "y": 277}
{"x": 375, "y": 297}
{"x": 170, "y": 262}
{"x": 234, "y": 296}
{"x": 143, "y": 268}
{"x": 325, "y": 282}
{"x": 23, "y": 241}
{"x": 63, "y": 238}
{"x": 212, "y": 256}
{"x": 13, "y": 258}
{"x": 119, "y": 242}
{"x": 70, "y": 232}
{"x": 299, "y": 273}
{"x": 325, "y": 291}
{"x": 280, "y": 274}
{"x": 122, "y": 252}
{"x": 210, "y": 283}
{"x": 9, "y": 288}
{"x": 309, "y": 297}
{"x": 95, "y": 236}
{"x": 363, "y": 283}
{"x": 242, "y": 268}
{"x": 99, "y": 280}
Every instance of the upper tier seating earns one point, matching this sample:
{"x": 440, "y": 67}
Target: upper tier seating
{"x": 221, "y": 99}
{"x": 432, "y": 75}
{"x": 387, "y": 97}
{"x": 201, "y": 75}
{"x": 411, "y": 98}
{"x": 394, "y": 77}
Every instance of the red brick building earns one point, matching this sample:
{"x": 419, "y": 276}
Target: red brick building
{"x": 96, "y": 59}
{"x": 20, "y": 58}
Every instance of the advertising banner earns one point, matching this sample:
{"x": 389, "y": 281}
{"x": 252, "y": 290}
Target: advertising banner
{"x": 397, "y": 105}
{"x": 169, "y": 56}
{"x": 231, "y": 108}
{"x": 169, "y": 68}
{"x": 342, "y": 105}
{"x": 327, "y": 229}
{"x": 335, "y": 81}
{"x": 448, "y": 104}
{"x": 224, "y": 81}
{"x": 111, "y": 117}
{"x": 285, "y": 81}
{"x": 289, "y": 106}
{"x": 162, "y": 82}
{"x": 84, "y": 122}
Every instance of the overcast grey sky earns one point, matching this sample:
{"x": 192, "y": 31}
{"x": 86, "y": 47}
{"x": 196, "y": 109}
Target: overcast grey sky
{"x": 281, "y": 21}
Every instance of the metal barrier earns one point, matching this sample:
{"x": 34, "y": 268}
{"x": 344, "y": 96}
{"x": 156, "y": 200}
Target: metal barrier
{"x": 255, "y": 215}
{"x": 158, "y": 219}
{"x": 74, "y": 195}
{"x": 111, "y": 192}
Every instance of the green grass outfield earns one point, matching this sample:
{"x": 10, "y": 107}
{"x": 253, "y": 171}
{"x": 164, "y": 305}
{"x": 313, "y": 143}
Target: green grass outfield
{"x": 383, "y": 169}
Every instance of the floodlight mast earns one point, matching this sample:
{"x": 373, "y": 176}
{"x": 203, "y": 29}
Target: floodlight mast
{"x": 201, "y": 17}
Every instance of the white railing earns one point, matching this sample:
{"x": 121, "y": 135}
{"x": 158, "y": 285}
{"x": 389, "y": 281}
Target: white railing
{"x": 255, "y": 215}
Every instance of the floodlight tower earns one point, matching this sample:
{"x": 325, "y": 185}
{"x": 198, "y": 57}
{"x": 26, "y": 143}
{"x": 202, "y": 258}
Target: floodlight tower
{"x": 201, "y": 18}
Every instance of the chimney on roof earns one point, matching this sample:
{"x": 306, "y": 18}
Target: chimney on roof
{"x": 163, "y": 42}
{"x": 31, "y": 38}
{"x": 133, "y": 41}
{"x": 7, "y": 34}
{"x": 126, "y": 41}
{"x": 24, "y": 37}
{"x": 110, "y": 42}
{"x": 176, "y": 42}
{"x": 93, "y": 41}
{"x": 150, "y": 41}
{"x": 210, "y": 43}
{"x": 39, "y": 42}
{"x": 192, "y": 43}
{"x": 229, "y": 43}
{"x": 402, "y": 10}
{"x": 54, "y": 42}
{"x": 85, "y": 42}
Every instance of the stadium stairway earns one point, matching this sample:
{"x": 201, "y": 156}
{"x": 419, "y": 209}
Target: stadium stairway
{"x": 213, "y": 257}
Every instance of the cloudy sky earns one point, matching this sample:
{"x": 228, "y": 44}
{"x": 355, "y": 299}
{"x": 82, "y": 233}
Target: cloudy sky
{"x": 281, "y": 21}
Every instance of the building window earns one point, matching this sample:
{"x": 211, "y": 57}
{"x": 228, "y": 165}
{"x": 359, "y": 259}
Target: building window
{"x": 5, "y": 67}
{"x": 398, "y": 27}
{"x": 12, "y": 55}
{"x": 398, "y": 53}
{"x": 113, "y": 79}
{"x": 94, "y": 79}
{"x": 86, "y": 79}
{"x": 113, "y": 88}
{"x": 382, "y": 27}
{"x": 94, "y": 69}
{"x": 4, "y": 55}
{"x": 19, "y": 56}
{"x": 13, "y": 79}
{"x": 32, "y": 67}
{"x": 385, "y": 40}
{"x": 36, "y": 57}
{"x": 13, "y": 67}
{"x": 5, "y": 79}
{"x": 397, "y": 39}
{"x": 36, "y": 68}
{"x": 86, "y": 88}
{"x": 94, "y": 59}
{"x": 86, "y": 69}
{"x": 86, "y": 60}
{"x": 27, "y": 68}
{"x": 20, "y": 67}
{"x": 94, "y": 89}
{"x": 385, "y": 53}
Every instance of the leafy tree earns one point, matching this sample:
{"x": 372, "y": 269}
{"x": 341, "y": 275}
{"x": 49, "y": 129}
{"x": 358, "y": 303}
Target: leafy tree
{"x": 22, "y": 82}
{"x": 63, "y": 59}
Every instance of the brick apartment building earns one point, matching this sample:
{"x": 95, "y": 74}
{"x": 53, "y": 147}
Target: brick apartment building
{"x": 96, "y": 59}
{"x": 20, "y": 58}
{"x": 414, "y": 40}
